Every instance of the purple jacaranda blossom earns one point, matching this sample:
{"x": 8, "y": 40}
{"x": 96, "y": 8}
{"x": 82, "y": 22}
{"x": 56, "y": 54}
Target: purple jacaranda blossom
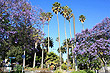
{"x": 0, "y": 18}
{"x": 17, "y": 63}
{"x": 71, "y": 56}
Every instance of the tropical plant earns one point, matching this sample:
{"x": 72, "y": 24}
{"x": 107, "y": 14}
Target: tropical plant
{"x": 46, "y": 42}
{"x": 43, "y": 19}
{"x": 68, "y": 18}
{"x": 66, "y": 12}
{"x": 82, "y": 19}
{"x": 57, "y": 8}
{"x": 52, "y": 59}
{"x": 63, "y": 50}
{"x": 64, "y": 67}
{"x": 49, "y": 16}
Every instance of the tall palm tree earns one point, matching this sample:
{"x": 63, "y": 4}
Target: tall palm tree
{"x": 38, "y": 37}
{"x": 74, "y": 37}
{"x": 68, "y": 18}
{"x": 65, "y": 12}
{"x": 49, "y": 16}
{"x": 82, "y": 18}
{"x": 43, "y": 19}
{"x": 57, "y": 8}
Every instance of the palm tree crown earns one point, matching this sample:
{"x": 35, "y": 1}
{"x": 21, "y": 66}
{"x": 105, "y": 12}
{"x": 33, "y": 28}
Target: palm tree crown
{"x": 43, "y": 16}
{"x": 82, "y": 18}
{"x": 49, "y": 16}
{"x": 56, "y": 7}
{"x": 66, "y": 11}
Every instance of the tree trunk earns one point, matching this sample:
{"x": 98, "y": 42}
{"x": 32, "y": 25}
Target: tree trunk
{"x": 74, "y": 40}
{"x": 59, "y": 40}
{"x": 48, "y": 36}
{"x": 83, "y": 26}
{"x": 42, "y": 58}
{"x": 105, "y": 67}
{"x": 72, "y": 44}
{"x": 34, "y": 59}
{"x": 42, "y": 50}
{"x": 34, "y": 56}
{"x": 24, "y": 60}
{"x": 66, "y": 46}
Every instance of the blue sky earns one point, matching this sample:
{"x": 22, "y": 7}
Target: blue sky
{"x": 94, "y": 10}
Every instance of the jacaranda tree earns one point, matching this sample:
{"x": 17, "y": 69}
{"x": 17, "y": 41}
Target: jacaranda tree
{"x": 17, "y": 18}
{"x": 94, "y": 44}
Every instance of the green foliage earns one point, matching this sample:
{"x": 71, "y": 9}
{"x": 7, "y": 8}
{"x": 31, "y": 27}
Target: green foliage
{"x": 64, "y": 67}
{"x": 59, "y": 71}
{"x": 15, "y": 52}
{"x": 84, "y": 62}
{"x": 18, "y": 68}
{"x": 50, "y": 42}
{"x": 83, "y": 71}
{"x": 52, "y": 58}
{"x": 82, "y": 18}
{"x": 90, "y": 71}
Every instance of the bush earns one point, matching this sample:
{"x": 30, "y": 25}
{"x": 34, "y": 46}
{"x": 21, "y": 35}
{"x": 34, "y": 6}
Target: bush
{"x": 64, "y": 67}
{"x": 18, "y": 68}
{"x": 83, "y": 71}
{"x": 90, "y": 71}
{"x": 59, "y": 71}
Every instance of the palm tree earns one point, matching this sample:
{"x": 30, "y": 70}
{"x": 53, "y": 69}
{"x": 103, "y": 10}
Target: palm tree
{"x": 74, "y": 38}
{"x": 63, "y": 50}
{"x": 82, "y": 19}
{"x": 65, "y": 12}
{"x": 46, "y": 42}
{"x": 49, "y": 16}
{"x": 38, "y": 37}
{"x": 57, "y": 8}
{"x": 43, "y": 19}
{"x": 68, "y": 18}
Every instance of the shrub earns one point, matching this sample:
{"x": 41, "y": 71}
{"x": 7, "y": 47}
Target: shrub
{"x": 83, "y": 71}
{"x": 90, "y": 71}
{"x": 64, "y": 67}
{"x": 59, "y": 71}
{"x": 18, "y": 68}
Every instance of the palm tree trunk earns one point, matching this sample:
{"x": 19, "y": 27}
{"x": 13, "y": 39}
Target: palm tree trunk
{"x": 72, "y": 44}
{"x": 42, "y": 50}
{"x": 24, "y": 60}
{"x": 34, "y": 59}
{"x": 66, "y": 46}
{"x": 83, "y": 26}
{"x": 75, "y": 42}
{"x": 59, "y": 40}
{"x": 34, "y": 56}
{"x": 48, "y": 36}
{"x": 70, "y": 30}
{"x": 42, "y": 57}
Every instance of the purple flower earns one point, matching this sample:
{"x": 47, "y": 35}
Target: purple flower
{"x": 71, "y": 56}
